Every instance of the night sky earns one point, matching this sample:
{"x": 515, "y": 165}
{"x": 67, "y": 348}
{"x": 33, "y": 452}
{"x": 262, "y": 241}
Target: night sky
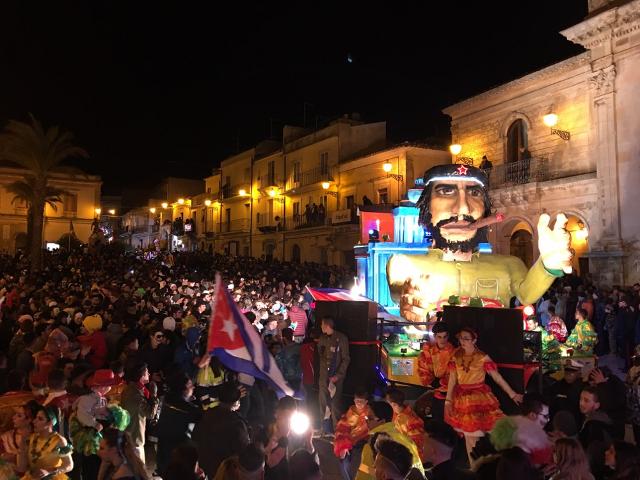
{"x": 152, "y": 90}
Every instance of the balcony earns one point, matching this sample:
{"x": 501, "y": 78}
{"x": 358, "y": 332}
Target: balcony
{"x": 298, "y": 222}
{"x": 269, "y": 181}
{"x": 310, "y": 177}
{"x": 241, "y": 225}
{"x": 518, "y": 173}
{"x": 232, "y": 191}
{"x": 269, "y": 225}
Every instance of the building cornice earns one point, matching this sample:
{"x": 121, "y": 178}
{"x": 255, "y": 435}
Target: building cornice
{"x": 607, "y": 26}
{"x": 516, "y": 87}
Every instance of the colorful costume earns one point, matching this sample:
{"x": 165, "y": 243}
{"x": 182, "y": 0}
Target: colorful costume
{"x": 474, "y": 407}
{"x": 46, "y": 453}
{"x": 366, "y": 471}
{"x": 557, "y": 328}
{"x": 351, "y": 429}
{"x": 411, "y": 425}
{"x": 550, "y": 350}
{"x": 498, "y": 277}
{"x": 9, "y": 446}
{"x": 433, "y": 363}
{"x": 583, "y": 338}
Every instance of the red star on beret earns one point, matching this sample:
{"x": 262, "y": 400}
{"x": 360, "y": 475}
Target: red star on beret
{"x": 462, "y": 170}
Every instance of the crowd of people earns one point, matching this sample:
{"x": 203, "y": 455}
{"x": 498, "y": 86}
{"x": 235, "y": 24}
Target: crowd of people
{"x": 105, "y": 367}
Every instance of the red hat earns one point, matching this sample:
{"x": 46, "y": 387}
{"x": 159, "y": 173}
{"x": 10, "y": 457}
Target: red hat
{"x": 102, "y": 378}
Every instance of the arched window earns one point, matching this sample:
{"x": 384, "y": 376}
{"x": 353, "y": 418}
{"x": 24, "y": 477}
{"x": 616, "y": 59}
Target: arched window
{"x": 517, "y": 142}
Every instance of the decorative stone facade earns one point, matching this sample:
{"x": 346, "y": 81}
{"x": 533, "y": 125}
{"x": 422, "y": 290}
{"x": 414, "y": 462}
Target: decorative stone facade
{"x": 593, "y": 173}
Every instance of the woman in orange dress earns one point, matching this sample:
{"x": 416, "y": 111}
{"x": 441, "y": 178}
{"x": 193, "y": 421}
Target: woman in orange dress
{"x": 470, "y": 406}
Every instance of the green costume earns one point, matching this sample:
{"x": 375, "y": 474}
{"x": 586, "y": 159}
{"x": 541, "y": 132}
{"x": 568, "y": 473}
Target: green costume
{"x": 550, "y": 350}
{"x": 583, "y": 338}
{"x": 491, "y": 276}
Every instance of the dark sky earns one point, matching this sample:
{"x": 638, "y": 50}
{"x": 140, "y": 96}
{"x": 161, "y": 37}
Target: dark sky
{"x": 152, "y": 90}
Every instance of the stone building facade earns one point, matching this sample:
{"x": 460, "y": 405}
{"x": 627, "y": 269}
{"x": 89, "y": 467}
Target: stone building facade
{"x": 586, "y": 165}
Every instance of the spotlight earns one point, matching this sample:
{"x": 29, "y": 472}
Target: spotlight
{"x": 374, "y": 235}
{"x": 299, "y": 423}
{"x": 529, "y": 310}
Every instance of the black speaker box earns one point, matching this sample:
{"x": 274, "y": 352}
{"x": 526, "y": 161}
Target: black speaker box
{"x": 500, "y": 330}
{"x": 500, "y": 335}
{"x": 357, "y": 320}
{"x": 361, "y": 373}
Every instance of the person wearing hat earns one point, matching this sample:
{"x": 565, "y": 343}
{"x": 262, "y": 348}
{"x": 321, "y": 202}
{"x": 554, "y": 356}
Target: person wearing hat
{"x": 90, "y": 415}
{"x": 93, "y": 341}
{"x": 456, "y": 198}
{"x": 565, "y": 394}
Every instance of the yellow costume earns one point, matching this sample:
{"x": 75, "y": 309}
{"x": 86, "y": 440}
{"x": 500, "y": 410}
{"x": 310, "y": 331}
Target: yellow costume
{"x": 474, "y": 408}
{"x": 46, "y": 454}
{"x": 367, "y": 471}
{"x": 433, "y": 363}
{"x": 410, "y": 424}
{"x": 583, "y": 338}
{"x": 491, "y": 276}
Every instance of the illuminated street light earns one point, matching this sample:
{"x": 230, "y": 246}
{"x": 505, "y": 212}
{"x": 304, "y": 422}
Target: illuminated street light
{"x": 387, "y": 167}
{"x": 112, "y": 211}
{"x": 152, "y": 209}
{"x": 207, "y": 202}
{"x": 242, "y": 192}
{"x": 455, "y": 148}
{"x": 326, "y": 185}
{"x": 272, "y": 192}
{"x": 98, "y": 211}
{"x": 550, "y": 120}
{"x": 181, "y": 201}
{"x": 165, "y": 205}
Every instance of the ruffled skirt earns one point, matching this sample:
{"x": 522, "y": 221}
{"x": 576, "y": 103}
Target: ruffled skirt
{"x": 474, "y": 410}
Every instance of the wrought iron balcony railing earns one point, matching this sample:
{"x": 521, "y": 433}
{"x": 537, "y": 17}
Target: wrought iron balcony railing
{"x": 518, "y": 173}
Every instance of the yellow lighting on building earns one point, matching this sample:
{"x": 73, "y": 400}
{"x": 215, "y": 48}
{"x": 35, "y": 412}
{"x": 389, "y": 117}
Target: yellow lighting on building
{"x": 387, "y": 167}
{"x": 112, "y": 212}
{"x": 217, "y": 204}
{"x": 326, "y": 185}
{"x": 152, "y": 210}
{"x": 455, "y": 148}
{"x": 207, "y": 202}
{"x": 242, "y": 192}
{"x": 550, "y": 120}
{"x": 181, "y": 201}
{"x": 582, "y": 234}
{"x": 98, "y": 211}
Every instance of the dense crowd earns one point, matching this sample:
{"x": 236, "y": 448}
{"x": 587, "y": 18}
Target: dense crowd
{"x": 105, "y": 371}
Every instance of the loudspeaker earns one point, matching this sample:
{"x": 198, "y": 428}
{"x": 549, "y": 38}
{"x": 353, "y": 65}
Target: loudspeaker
{"x": 357, "y": 320}
{"x": 500, "y": 330}
{"x": 361, "y": 372}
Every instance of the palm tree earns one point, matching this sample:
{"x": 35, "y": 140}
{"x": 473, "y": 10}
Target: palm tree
{"x": 40, "y": 151}
{"x": 23, "y": 191}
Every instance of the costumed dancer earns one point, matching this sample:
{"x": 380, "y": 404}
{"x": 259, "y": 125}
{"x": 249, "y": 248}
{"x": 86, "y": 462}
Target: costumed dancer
{"x": 91, "y": 414}
{"x": 470, "y": 406}
{"x": 405, "y": 419}
{"x": 44, "y": 453}
{"x": 583, "y": 337}
{"x": 556, "y": 325}
{"x": 550, "y": 346}
{"x": 352, "y": 431}
{"x": 11, "y": 439}
{"x": 433, "y": 367}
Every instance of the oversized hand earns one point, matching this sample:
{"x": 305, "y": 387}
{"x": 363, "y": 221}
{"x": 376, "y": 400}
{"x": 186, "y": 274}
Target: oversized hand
{"x": 412, "y": 305}
{"x": 553, "y": 244}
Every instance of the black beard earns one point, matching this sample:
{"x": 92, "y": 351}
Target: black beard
{"x": 465, "y": 246}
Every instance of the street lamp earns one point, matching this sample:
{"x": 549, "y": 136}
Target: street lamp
{"x": 242, "y": 192}
{"x": 207, "y": 202}
{"x": 165, "y": 205}
{"x": 112, "y": 211}
{"x": 551, "y": 120}
{"x": 325, "y": 187}
{"x": 152, "y": 210}
{"x": 455, "y": 148}
{"x": 387, "y": 166}
{"x": 98, "y": 211}
{"x": 181, "y": 201}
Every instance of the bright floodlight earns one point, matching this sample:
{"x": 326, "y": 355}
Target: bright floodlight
{"x": 242, "y": 192}
{"x": 456, "y": 148}
{"x": 387, "y": 166}
{"x": 550, "y": 120}
{"x": 152, "y": 210}
{"x": 165, "y": 204}
{"x": 181, "y": 201}
{"x": 529, "y": 310}
{"x": 299, "y": 423}
{"x": 326, "y": 185}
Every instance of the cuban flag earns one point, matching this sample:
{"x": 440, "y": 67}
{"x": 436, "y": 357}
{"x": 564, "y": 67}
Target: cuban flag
{"x": 236, "y": 343}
